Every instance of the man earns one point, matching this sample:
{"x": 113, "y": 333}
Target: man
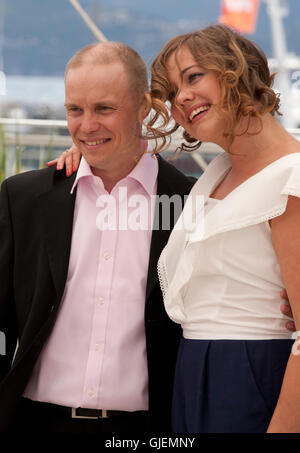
{"x": 89, "y": 347}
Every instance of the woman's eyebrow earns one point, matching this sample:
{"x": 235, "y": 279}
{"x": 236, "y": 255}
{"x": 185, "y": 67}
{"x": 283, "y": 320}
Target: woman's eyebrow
{"x": 186, "y": 69}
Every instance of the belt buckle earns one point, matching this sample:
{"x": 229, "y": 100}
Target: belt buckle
{"x": 103, "y": 414}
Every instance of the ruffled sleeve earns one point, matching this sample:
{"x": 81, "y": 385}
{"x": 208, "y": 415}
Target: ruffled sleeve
{"x": 258, "y": 199}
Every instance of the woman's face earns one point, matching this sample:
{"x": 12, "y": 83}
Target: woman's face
{"x": 195, "y": 95}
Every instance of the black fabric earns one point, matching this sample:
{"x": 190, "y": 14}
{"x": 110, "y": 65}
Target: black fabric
{"x": 228, "y": 386}
{"x": 36, "y": 417}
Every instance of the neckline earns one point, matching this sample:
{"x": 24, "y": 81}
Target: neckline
{"x": 225, "y": 170}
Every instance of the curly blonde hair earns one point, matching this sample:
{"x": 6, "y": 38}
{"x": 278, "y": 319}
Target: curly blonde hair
{"x": 241, "y": 67}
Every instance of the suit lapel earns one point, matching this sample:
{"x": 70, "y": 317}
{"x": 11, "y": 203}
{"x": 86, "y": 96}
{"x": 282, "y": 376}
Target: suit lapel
{"x": 57, "y": 209}
{"x": 158, "y": 241}
{"x": 169, "y": 185}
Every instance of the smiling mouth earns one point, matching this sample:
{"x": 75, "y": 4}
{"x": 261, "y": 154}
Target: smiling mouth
{"x": 95, "y": 142}
{"x": 196, "y": 112}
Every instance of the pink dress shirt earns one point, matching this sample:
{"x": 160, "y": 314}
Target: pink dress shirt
{"x": 95, "y": 356}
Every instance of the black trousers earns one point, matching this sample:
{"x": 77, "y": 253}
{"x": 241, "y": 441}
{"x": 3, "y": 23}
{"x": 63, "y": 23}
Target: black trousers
{"x": 36, "y": 417}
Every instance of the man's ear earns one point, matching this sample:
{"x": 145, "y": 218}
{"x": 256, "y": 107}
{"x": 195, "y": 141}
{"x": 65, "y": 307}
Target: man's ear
{"x": 146, "y": 105}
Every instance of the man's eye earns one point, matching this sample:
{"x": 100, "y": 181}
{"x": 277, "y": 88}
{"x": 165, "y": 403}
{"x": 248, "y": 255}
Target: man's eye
{"x": 103, "y": 108}
{"x": 74, "y": 109}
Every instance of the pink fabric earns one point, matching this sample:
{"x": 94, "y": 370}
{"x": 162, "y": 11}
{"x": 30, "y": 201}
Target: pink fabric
{"x": 96, "y": 354}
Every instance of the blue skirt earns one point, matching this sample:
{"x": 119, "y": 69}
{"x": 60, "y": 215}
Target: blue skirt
{"x": 228, "y": 386}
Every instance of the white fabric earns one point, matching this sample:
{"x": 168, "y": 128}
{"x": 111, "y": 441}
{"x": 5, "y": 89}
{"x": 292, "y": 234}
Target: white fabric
{"x": 221, "y": 279}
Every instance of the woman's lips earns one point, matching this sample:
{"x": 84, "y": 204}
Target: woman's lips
{"x": 197, "y": 112}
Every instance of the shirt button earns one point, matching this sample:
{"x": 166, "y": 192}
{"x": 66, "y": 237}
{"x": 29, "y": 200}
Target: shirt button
{"x": 91, "y": 392}
{"x": 106, "y": 256}
{"x": 101, "y": 300}
{"x": 97, "y": 346}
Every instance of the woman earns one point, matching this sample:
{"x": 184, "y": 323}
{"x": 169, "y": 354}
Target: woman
{"x": 235, "y": 370}
{"x": 221, "y": 281}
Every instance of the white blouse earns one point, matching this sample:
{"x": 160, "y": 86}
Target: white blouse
{"x": 219, "y": 273}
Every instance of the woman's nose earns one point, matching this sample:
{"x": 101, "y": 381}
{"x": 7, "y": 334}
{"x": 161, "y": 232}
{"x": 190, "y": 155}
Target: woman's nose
{"x": 184, "y": 94}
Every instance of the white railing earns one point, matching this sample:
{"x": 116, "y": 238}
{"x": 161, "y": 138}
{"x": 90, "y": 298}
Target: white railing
{"x": 35, "y": 141}
{"x": 20, "y": 130}
{"x": 40, "y": 140}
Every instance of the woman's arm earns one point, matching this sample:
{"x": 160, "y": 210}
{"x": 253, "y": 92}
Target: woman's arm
{"x": 286, "y": 242}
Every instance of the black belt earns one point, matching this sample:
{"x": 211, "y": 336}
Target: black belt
{"x": 82, "y": 412}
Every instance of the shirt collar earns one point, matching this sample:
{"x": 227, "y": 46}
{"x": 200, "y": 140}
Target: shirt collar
{"x": 84, "y": 171}
{"x": 145, "y": 172}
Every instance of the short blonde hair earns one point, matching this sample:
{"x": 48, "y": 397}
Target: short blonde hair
{"x": 111, "y": 52}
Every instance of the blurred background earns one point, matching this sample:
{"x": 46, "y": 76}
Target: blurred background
{"x": 37, "y": 38}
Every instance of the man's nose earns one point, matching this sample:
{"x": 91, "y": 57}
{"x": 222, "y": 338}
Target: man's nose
{"x": 89, "y": 123}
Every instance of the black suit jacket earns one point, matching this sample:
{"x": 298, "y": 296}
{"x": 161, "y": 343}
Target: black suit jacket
{"x": 36, "y": 216}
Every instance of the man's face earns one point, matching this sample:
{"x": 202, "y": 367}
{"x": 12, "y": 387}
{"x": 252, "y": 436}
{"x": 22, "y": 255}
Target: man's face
{"x": 102, "y": 116}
